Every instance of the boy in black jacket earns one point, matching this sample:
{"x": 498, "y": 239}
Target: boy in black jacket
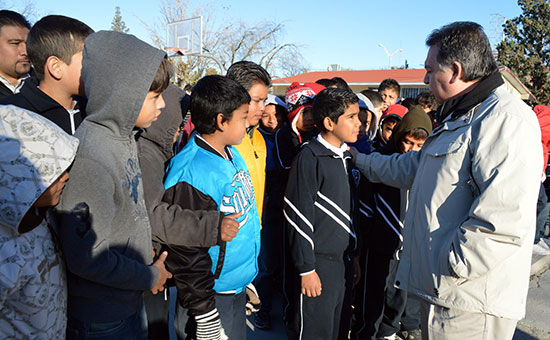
{"x": 54, "y": 46}
{"x": 319, "y": 211}
{"x": 379, "y": 306}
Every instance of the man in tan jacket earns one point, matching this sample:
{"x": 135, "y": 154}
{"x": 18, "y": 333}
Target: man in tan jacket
{"x": 470, "y": 223}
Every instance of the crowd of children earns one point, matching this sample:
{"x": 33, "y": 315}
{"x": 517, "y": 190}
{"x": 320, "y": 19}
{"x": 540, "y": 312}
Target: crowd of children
{"x": 262, "y": 197}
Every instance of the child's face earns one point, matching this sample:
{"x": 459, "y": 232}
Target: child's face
{"x": 365, "y": 117}
{"x": 389, "y": 96}
{"x": 233, "y": 130}
{"x": 409, "y": 143}
{"x": 50, "y": 197}
{"x": 150, "y": 110}
{"x": 304, "y": 122}
{"x": 71, "y": 75}
{"x": 387, "y": 129}
{"x": 348, "y": 125}
{"x": 258, "y": 95}
{"x": 269, "y": 118}
{"x": 380, "y": 110}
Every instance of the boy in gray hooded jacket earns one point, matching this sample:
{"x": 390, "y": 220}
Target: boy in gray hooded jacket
{"x": 109, "y": 258}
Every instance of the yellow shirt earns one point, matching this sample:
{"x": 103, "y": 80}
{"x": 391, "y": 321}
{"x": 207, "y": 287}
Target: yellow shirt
{"x": 254, "y": 152}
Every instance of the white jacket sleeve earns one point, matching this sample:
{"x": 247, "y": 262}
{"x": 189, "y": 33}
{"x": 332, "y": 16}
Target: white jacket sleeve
{"x": 397, "y": 170}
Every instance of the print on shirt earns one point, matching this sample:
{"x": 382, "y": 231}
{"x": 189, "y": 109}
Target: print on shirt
{"x": 238, "y": 196}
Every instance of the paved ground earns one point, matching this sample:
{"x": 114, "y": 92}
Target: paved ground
{"x": 535, "y": 326}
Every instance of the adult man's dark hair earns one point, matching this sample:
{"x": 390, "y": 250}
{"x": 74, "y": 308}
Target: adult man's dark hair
{"x": 248, "y": 74}
{"x": 466, "y": 43}
{"x": 11, "y": 18}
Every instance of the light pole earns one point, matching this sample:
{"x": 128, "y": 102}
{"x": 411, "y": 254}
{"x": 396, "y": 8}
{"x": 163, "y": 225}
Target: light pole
{"x": 390, "y": 55}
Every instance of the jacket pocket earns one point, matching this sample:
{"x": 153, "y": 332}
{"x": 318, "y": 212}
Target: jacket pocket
{"x": 444, "y": 149}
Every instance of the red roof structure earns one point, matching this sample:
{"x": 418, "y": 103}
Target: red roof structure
{"x": 411, "y": 80}
{"x": 403, "y": 76}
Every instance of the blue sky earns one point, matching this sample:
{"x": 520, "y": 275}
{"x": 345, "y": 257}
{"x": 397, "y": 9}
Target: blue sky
{"x": 330, "y": 32}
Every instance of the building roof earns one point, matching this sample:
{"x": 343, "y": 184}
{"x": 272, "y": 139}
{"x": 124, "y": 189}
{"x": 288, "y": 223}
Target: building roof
{"x": 403, "y": 76}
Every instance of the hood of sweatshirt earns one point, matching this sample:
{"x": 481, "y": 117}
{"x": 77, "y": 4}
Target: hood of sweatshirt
{"x": 35, "y": 152}
{"x": 117, "y": 72}
{"x": 415, "y": 118}
{"x": 163, "y": 130}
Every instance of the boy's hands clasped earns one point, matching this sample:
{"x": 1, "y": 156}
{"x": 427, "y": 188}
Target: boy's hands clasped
{"x": 311, "y": 285}
{"x": 163, "y": 273}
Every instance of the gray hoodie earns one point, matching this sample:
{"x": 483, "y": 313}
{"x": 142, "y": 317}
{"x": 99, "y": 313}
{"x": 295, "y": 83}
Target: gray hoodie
{"x": 109, "y": 258}
{"x": 169, "y": 222}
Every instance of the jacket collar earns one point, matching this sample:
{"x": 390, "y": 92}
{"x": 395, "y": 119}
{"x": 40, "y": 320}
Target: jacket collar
{"x": 40, "y": 100}
{"x": 320, "y": 149}
{"x": 459, "y": 106}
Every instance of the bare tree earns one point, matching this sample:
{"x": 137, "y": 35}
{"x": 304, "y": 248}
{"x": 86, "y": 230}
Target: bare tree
{"x": 26, "y": 8}
{"x": 224, "y": 45}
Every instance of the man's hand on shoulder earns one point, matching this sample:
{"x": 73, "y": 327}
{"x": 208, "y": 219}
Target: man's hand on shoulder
{"x": 353, "y": 152}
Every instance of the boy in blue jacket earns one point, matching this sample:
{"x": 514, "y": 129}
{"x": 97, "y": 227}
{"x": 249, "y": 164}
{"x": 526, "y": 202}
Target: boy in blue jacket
{"x": 210, "y": 174}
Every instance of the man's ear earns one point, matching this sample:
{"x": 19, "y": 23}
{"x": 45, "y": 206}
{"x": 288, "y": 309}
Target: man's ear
{"x": 458, "y": 72}
{"x": 53, "y": 67}
{"x": 328, "y": 124}
{"x": 220, "y": 123}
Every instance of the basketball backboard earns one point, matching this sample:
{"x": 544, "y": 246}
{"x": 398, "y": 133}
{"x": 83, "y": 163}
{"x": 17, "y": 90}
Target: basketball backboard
{"x": 185, "y": 35}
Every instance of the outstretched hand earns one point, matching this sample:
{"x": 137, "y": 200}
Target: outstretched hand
{"x": 353, "y": 152}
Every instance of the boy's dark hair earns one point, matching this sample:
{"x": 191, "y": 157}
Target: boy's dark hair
{"x": 341, "y": 83}
{"x": 417, "y": 133}
{"x": 326, "y": 82}
{"x": 332, "y": 103}
{"x": 11, "y": 18}
{"x": 390, "y": 84}
{"x": 248, "y": 74}
{"x": 409, "y": 103}
{"x": 389, "y": 119}
{"x": 466, "y": 43}
{"x": 427, "y": 99}
{"x": 212, "y": 95}
{"x": 162, "y": 78}
{"x": 55, "y": 35}
{"x": 374, "y": 97}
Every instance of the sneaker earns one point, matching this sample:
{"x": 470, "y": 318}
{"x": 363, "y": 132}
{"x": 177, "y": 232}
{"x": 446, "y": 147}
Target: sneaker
{"x": 390, "y": 337}
{"x": 262, "y": 321}
{"x": 413, "y": 334}
{"x": 541, "y": 248}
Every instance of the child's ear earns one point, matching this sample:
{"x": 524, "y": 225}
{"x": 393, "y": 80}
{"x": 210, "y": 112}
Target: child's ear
{"x": 219, "y": 121}
{"x": 328, "y": 124}
{"x": 53, "y": 67}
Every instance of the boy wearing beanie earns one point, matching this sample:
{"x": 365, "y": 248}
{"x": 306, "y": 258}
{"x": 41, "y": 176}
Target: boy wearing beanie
{"x": 380, "y": 305}
{"x": 300, "y": 127}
